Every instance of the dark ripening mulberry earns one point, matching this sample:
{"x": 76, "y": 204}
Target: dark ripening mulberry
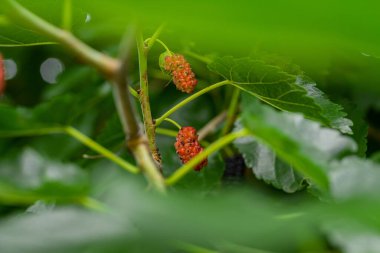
{"x": 180, "y": 70}
{"x": 234, "y": 169}
{"x": 2, "y": 75}
{"x": 187, "y": 146}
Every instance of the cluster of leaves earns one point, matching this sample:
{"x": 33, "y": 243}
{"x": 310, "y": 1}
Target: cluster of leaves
{"x": 308, "y": 186}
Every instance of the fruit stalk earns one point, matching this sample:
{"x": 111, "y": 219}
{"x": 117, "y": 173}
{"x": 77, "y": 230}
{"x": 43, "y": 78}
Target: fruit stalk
{"x": 189, "y": 99}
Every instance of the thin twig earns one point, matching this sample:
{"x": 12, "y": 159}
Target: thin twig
{"x": 199, "y": 57}
{"x": 100, "y": 149}
{"x": 121, "y": 94}
{"x": 189, "y": 99}
{"x": 149, "y": 42}
{"x": 67, "y": 15}
{"x": 211, "y": 126}
{"x": 174, "y": 123}
{"x": 167, "y": 132}
{"x": 231, "y": 113}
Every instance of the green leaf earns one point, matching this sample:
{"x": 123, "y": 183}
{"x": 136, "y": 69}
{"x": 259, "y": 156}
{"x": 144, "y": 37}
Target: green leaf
{"x": 112, "y": 135}
{"x": 331, "y": 111}
{"x": 45, "y": 118}
{"x": 69, "y": 79}
{"x": 137, "y": 216}
{"x": 360, "y": 127}
{"x": 32, "y": 177}
{"x": 280, "y": 89}
{"x": 18, "y": 121}
{"x": 302, "y": 143}
{"x": 58, "y": 111}
{"x": 268, "y": 167}
{"x": 65, "y": 230}
{"x": 12, "y": 36}
{"x": 208, "y": 179}
{"x": 354, "y": 178}
{"x": 375, "y": 157}
{"x": 15, "y": 119}
{"x": 351, "y": 237}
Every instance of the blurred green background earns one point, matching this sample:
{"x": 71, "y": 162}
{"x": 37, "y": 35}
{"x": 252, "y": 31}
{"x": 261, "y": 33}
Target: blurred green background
{"x": 336, "y": 43}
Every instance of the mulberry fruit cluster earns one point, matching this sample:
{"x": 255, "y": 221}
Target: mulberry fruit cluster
{"x": 180, "y": 70}
{"x": 187, "y": 146}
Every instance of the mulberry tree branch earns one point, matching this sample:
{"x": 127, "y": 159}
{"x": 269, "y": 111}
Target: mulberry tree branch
{"x": 137, "y": 141}
{"x": 114, "y": 70}
{"x": 103, "y": 63}
{"x": 149, "y": 124}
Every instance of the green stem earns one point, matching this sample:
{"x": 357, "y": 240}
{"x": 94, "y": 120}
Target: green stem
{"x": 220, "y": 143}
{"x": 167, "y": 132}
{"x": 150, "y": 42}
{"x": 133, "y": 92}
{"x": 144, "y": 159}
{"x": 191, "y": 248}
{"x": 144, "y": 99}
{"x": 32, "y": 132}
{"x": 67, "y": 15}
{"x": 228, "y": 151}
{"x": 105, "y": 64}
{"x": 136, "y": 141}
{"x": 93, "y": 204}
{"x": 211, "y": 126}
{"x": 189, "y": 99}
{"x": 80, "y": 137}
{"x": 164, "y": 45}
{"x": 173, "y": 122}
{"x": 289, "y": 216}
{"x": 100, "y": 149}
{"x": 231, "y": 111}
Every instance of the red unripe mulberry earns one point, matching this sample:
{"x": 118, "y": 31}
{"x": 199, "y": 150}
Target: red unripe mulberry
{"x": 188, "y": 146}
{"x": 180, "y": 70}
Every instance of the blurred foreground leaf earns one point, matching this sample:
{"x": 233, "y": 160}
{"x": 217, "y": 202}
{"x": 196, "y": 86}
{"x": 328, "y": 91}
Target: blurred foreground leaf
{"x": 302, "y": 143}
{"x": 268, "y": 167}
{"x": 354, "y": 177}
{"x": 242, "y": 218}
{"x": 32, "y": 177}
